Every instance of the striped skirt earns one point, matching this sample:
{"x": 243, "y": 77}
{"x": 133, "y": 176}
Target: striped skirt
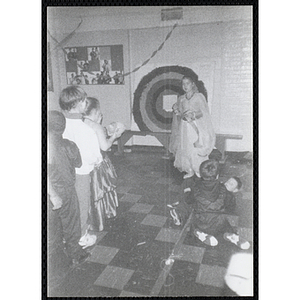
{"x": 104, "y": 199}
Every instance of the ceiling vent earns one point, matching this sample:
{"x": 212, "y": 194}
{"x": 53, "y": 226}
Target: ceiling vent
{"x": 171, "y": 14}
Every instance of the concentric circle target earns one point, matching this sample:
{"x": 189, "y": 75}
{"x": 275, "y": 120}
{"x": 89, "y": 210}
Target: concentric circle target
{"x": 148, "y": 110}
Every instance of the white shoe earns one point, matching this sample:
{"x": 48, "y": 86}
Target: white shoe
{"x": 87, "y": 240}
{"x": 173, "y": 205}
{"x": 205, "y": 238}
{"x": 237, "y": 240}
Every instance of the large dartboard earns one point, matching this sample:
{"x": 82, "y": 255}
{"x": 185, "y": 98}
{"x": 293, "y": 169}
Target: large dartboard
{"x": 148, "y": 109}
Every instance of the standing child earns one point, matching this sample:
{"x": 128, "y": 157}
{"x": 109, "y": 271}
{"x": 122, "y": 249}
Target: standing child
{"x": 104, "y": 199}
{"x": 73, "y": 103}
{"x": 193, "y": 137}
{"x": 63, "y": 157}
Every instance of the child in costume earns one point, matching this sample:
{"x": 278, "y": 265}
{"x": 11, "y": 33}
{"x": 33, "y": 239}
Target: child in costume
{"x": 210, "y": 202}
{"x": 193, "y": 137}
{"x": 64, "y": 156}
{"x": 104, "y": 199}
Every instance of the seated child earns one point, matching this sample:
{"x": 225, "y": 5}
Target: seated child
{"x": 64, "y": 156}
{"x": 210, "y": 201}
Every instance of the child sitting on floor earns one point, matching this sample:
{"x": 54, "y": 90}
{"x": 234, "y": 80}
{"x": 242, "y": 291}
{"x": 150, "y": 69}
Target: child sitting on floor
{"x": 210, "y": 202}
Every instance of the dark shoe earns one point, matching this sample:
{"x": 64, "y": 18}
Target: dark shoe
{"x": 80, "y": 259}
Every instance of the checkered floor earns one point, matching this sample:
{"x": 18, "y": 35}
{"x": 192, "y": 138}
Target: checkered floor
{"x": 130, "y": 254}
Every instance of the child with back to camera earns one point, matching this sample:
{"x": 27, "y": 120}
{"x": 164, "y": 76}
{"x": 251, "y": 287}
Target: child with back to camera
{"x": 211, "y": 202}
{"x": 63, "y": 157}
{"x": 104, "y": 199}
{"x": 73, "y": 102}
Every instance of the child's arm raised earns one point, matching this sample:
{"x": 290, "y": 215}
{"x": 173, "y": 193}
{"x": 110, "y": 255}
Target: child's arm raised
{"x": 104, "y": 143}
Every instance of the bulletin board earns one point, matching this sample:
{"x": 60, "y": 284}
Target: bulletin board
{"x": 97, "y": 65}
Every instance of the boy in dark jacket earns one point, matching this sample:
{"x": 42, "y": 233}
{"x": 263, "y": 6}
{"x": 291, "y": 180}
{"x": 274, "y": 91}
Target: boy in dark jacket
{"x": 211, "y": 203}
{"x": 63, "y": 157}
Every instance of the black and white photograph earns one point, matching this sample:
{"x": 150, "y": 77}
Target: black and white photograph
{"x": 151, "y": 151}
{"x": 94, "y": 65}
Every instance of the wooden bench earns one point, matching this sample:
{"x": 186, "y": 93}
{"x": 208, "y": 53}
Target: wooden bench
{"x": 164, "y": 138}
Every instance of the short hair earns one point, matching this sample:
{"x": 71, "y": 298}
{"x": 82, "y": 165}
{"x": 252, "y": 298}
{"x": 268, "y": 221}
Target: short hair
{"x": 209, "y": 169}
{"x": 71, "y": 96}
{"x": 56, "y": 122}
{"x": 92, "y": 103}
{"x": 239, "y": 182}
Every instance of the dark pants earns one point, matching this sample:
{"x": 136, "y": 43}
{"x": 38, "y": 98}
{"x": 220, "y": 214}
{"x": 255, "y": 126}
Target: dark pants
{"x": 213, "y": 223}
{"x": 69, "y": 221}
{"x": 57, "y": 258}
{"x": 54, "y": 233}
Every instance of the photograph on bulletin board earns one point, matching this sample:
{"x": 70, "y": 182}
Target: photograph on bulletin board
{"x": 94, "y": 65}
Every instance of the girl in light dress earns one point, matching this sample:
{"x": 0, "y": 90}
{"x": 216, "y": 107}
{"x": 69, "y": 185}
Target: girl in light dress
{"x": 104, "y": 199}
{"x": 193, "y": 136}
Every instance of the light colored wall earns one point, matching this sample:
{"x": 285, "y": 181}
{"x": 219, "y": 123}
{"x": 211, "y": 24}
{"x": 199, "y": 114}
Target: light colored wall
{"x": 215, "y": 42}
